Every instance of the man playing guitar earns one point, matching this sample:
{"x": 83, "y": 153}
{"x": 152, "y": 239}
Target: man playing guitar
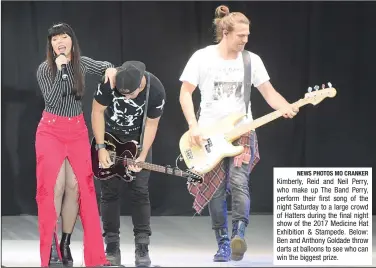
{"x": 120, "y": 111}
{"x": 218, "y": 71}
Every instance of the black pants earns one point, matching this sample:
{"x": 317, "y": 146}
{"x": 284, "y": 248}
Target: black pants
{"x": 139, "y": 198}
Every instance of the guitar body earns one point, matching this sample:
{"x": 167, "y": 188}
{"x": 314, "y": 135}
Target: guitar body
{"x": 216, "y": 147}
{"x": 118, "y": 152}
{"x": 123, "y": 154}
{"x": 221, "y": 135}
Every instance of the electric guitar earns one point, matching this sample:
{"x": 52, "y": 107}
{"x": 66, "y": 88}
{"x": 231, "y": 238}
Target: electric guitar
{"x": 219, "y": 136}
{"x": 123, "y": 154}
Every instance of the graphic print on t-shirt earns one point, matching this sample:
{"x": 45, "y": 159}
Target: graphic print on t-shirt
{"x": 160, "y": 107}
{"x": 226, "y": 90}
{"x": 227, "y": 82}
{"x": 123, "y": 116}
{"x": 126, "y": 117}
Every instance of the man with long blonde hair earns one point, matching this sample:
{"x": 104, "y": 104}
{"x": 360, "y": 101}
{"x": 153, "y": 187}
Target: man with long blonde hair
{"x": 218, "y": 71}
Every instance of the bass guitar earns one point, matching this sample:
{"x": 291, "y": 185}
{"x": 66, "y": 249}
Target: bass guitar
{"x": 220, "y": 136}
{"x": 123, "y": 154}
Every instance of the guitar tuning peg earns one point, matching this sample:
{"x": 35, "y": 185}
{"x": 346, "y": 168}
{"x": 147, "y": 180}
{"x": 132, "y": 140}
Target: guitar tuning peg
{"x": 316, "y": 87}
{"x": 329, "y": 84}
{"x": 323, "y": 86}
{"x": 309, "y": 89}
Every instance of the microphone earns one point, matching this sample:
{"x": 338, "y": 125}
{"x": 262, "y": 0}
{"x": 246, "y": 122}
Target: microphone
{"x": 64, "y": 70}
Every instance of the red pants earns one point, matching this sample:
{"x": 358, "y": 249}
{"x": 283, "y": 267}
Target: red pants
{"x": 57, "y": 138}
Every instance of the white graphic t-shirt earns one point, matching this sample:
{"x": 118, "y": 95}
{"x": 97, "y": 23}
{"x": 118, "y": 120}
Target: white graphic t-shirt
{"x": 221, "y": 82}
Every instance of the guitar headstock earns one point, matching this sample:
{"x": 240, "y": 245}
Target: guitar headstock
{"x": 194, "y": 177}
{"x": 318, "y": 95}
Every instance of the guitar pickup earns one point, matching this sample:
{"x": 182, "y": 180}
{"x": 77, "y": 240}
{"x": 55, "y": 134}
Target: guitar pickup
{"x": 207, "y": 147}
{"x": 209, "y": 142}
{"x": 189, "y": 154}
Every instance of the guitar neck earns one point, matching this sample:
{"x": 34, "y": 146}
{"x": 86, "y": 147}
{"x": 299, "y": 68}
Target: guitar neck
{"x": 237, "y": 132}
{"x": 157, "y": 168}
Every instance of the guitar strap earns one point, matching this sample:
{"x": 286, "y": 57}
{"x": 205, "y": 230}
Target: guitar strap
{"x": 145, "y": 112}
{"x": 247, "y": 78}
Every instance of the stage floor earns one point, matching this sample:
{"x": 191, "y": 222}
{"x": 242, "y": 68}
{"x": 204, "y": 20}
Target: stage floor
{"x": 175, "y": 242}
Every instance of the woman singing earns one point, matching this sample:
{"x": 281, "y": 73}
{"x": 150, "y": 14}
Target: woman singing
{"x": 63, "y": 152}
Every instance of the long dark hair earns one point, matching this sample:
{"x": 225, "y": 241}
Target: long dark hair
{"x": 63, "y": 28}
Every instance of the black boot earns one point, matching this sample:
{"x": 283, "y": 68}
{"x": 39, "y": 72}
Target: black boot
{"x": 238, "y": 244}
{"x": 55, "y": 259}
{"x": 142, "y": 258}
{"x": 113, "y": 253}
{"x": 65, "y": 250}
{"x": 224, "y": 251}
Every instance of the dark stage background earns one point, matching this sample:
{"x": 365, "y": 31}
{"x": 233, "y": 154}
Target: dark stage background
{"x": 301, "y": 43}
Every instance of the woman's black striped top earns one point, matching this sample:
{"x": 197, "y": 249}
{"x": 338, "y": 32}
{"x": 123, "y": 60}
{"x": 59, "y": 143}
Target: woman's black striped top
{"x": 57, "y": 93}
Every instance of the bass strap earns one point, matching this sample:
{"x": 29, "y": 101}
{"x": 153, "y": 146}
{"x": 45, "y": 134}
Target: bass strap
{"x": 247, "y": 78}
{"x": 145, "y": 112}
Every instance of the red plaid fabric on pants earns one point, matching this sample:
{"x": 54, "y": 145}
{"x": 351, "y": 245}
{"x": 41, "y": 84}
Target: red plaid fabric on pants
{"x": 212, "y": 180}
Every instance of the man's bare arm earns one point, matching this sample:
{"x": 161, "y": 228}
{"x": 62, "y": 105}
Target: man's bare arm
{"x": 186, "y": 103}
{"x": 276, "y": 101}
{"x": 272, "y": 97}
{"x": 187, "y": 106}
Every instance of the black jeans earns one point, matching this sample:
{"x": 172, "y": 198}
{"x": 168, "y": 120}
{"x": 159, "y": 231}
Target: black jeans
{"x": 139, "y": 198}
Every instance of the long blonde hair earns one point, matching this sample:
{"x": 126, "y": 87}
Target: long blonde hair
{"x": 224, "y": 20}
